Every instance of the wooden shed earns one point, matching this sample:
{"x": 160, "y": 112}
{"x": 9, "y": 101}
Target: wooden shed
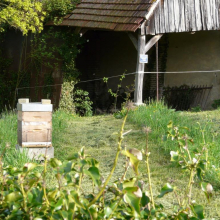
{"x": 144, "y": 17}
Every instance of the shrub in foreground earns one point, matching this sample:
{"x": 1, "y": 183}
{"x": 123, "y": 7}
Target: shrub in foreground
{"x": 25, "y": 195}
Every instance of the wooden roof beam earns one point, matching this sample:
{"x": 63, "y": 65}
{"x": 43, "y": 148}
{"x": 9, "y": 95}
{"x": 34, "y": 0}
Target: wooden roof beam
{"x": 152, "y": 42}
{"x": 133, "y": 40}
{"x": 151, "y": 11}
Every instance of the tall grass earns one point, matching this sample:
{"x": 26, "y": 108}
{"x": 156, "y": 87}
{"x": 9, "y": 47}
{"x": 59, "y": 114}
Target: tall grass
{"x": 8, "y": 137}
{"x": 202, "y": 127}
{"x": 8, "y": 141}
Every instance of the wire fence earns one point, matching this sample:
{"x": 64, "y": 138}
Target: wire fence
{"x": 180, "y": 99}
{"x": 117, "y": 76}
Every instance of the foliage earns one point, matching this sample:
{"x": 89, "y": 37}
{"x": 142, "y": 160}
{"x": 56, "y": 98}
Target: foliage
{"x": 157, "y": 115}
{"x": 57, "y": 9}
{"x": 25, "y": 15}
{"x": 46, "y": 51}
{"x": 55, "y": 46}
{"x": 196, "y": 109}
{"x": 195, "y": 162}
{"x": 216, "y": 104}
{"x": 25, "y": 195}
{"x": 116, "y": 93}
{"x": 28, "y": 15}
{"x": 82, "y": 103}
{"x": 66, "y": 100}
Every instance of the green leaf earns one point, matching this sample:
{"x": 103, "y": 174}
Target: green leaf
{"x": 93, "y": 212}
{"x": 38, "y": 195}
{"x": 73, "y": 157}
{"x": 30, "y": 197}
{"x": 199, "y": 173}
{"x": 162, "y": 215}
{"x": 93, "y": 162}
{"x": 58, "y": 205}
{"x": 68, "y": 167}
{"x": 133, "y": 197}
{"x": 167, "y": 188}
{"x": 129, "y": 183}
{"x": 64, "y": 214}
{"x": 75, "y": 197}
{"x": 82, "y": 152}
{"x": 93, "y": 172}
{"x": 182, "y": 216}
{"x": 144, "y": 200}
{"x": 113, "y": 205}
{"x": 134, "y": 156}
{"x": 83, "y": 162}
{"x": 198, "y": 210}
{"x": 55, "y": 163}
{"x": 29, "y": 166}
{"x": 207, "y": 189}
{"x": 174, "y": 156}
{"x": 202, "y": 164}
{"x": 170, "y": 124}
{"x": 13, "y": 197}
{"x": 107, "y": 211}
{"x": 53, "y": 194}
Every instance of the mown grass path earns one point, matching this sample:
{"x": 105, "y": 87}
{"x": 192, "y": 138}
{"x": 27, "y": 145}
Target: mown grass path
{"x": 99, "y": 136}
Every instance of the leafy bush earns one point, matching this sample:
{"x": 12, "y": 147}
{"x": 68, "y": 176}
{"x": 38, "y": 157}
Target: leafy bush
{"x": 196, "y": 109}
{"x": 25, "y": 195}
{"x": 66, "y": 101}
{"x": 216, "y": 104}
{"x": 57, "y": 9}
{"x": 82, "y": 103}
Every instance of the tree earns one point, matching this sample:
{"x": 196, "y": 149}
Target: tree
{"x": 25, "y": 15}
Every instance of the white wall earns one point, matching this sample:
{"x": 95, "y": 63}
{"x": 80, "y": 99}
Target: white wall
{"x": 195, "y": 52}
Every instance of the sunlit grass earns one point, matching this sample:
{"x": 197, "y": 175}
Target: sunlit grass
{"x": 99, "y": 136}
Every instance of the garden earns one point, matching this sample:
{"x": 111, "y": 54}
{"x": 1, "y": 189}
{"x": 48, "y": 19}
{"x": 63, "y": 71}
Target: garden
{"x": 146, "y": 162}
{"x": 159, "y": 164}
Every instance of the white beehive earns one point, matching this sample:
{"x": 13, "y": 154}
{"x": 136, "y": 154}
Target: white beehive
{"x": 34, "y": 123}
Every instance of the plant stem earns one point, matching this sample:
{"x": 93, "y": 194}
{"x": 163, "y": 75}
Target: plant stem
{"x": 24, "y": 196}
{"x": 189, "y": 188}
{"x": 115, "y": 162}
{"x": 80, "y": 181}
{"x": 126, "y": 170}
{"x": 115, "y": 208}
{"x": 149, "y": 180}
{"x": 177, "y": 197}
{"x": 44, "y": 182}
{"x": 148, "y": 172}
{"x": 58, "y": 179}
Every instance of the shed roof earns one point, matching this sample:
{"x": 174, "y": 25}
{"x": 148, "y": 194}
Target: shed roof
{"x": 114, "y": 15}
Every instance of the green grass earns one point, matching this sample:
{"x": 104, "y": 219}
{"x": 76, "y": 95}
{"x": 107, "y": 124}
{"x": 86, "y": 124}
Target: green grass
{"x": 157, "y": 116}
{"x": 99, "y": 136}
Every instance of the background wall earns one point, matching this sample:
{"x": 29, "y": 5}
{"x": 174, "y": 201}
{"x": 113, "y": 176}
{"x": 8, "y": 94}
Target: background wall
{"x": 195, "y": 52}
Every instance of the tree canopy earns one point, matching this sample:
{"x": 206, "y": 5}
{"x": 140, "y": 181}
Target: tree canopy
{"x": 25, "y": 15}
{"x": 29, "y": 15}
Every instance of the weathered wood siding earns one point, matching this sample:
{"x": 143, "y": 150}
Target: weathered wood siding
{"x": 184, "y": 16}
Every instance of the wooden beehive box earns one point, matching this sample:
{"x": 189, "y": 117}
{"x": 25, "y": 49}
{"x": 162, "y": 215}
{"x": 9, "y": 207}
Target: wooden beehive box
{"x": 34, "y": 123}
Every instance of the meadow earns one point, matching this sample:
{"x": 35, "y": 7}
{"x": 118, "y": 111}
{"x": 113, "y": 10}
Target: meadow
{"x": 99, "y": 135}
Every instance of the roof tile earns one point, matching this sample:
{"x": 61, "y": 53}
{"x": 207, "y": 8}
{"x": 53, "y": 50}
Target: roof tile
{"x": 117, "y": 15}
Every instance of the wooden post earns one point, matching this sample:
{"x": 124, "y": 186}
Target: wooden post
{"x": 157, "y": 64}
{"x": 138, "y": 100}
{"x": 142, "y": 48}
